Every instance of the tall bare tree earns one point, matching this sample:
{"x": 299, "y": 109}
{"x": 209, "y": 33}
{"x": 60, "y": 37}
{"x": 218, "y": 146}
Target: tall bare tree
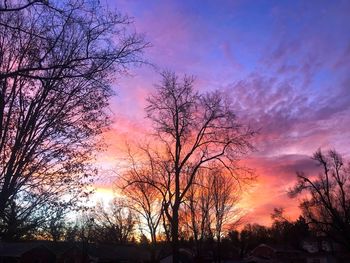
{"x": 145, "y": 200}
{"x": 211, "y": 207}
{"x": 56, "y": 65}
{"x": 193, "y": 130}
{"x": 142, "y": 196}
{"x": 326, "y": 205}
{"x": 198, "y": 206}
{"x": 225, "y": 196}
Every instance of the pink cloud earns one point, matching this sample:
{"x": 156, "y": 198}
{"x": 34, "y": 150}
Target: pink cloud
{"x": 276, "y": 175}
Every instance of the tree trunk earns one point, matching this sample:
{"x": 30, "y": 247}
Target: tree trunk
{"x": 175, "y": 235}
{"x": 153, "y": 246}
{"x": 218, "y": 253}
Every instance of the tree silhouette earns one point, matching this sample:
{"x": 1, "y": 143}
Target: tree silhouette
{"x": 225, "y": 196}
{"x": 210, "y": 207}
{"x": 326, "y": 205}
{"x": 193, "y": 130}
{"x": 114, "y": 223}
{"x": 55, "y": 76}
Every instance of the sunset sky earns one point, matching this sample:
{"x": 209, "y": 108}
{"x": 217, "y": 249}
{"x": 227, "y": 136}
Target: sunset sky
{"x": 285, "y": 63}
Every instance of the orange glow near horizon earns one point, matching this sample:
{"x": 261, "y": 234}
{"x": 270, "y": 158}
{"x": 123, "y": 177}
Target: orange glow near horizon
{"x": 258, "y": 199}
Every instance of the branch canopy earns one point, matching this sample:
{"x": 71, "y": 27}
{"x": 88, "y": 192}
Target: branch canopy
{"x": 56, "y": 64}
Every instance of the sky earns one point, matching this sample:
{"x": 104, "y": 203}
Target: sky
{"x": 286, "y": 64}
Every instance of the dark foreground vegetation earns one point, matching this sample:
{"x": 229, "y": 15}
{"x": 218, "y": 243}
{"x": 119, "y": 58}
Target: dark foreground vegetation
{"x": 284, "y": 241}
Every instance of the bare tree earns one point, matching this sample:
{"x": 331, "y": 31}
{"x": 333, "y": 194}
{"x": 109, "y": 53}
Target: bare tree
{"x": 56, "y": 62}
{"x": 142, "y": 197}
{"x": 114, "y": 223}
{"x": 145, "y": 200}
{"x": 193, "y": 130}
{"x": 211, "y": 205}
{"x": 225, "y": 196}
{"x": 198, "y": 206}
{"x": 326, "y": 204}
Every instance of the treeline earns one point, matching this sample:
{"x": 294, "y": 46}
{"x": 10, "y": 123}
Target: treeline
{"x": 118, "y": 223}
{"x": 289, "y": 234}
